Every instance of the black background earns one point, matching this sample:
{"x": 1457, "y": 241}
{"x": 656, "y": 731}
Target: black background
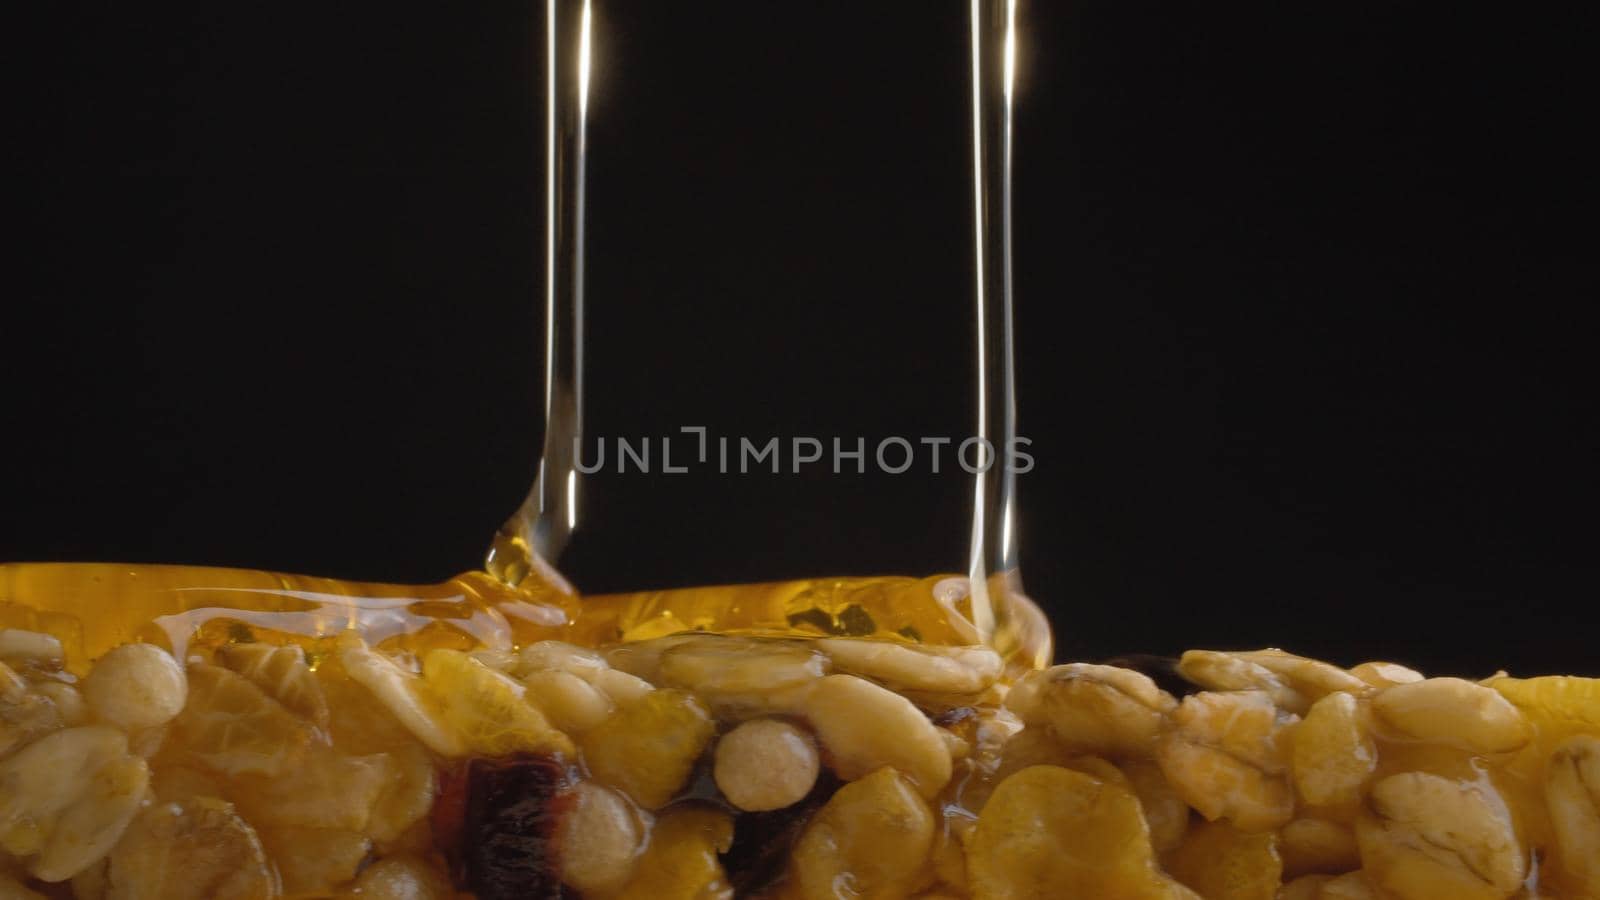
{"x": 1303, "y": 303}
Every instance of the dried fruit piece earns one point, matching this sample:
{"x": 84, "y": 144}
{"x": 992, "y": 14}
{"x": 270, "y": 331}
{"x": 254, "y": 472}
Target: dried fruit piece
{"x": 647, "y": 748}
{"x": 1094, "y": 709}
{"x": 874, "y": 835}
{"x": 314, "y": 861}
{"x": 231, "y": 726}
{"x": 1049, "y": 832}
{"x": 1333, "y": 753}
{"x": 136, "y": 686}
{"x": 1317, "y": 845}
{"x": 281, "y": 672}
{"x": 1225, "y": 756}
{"x": 1453, "y": 712}
{"x": 200, "y": 850}
{"x": 906, "y": 667}
{"x": 600, "y": 837}
{"x": 1427, "y": 837}
{"x": 1572, "y": 795}
{"x": 1218, "y": 860}
{"x": 766, "y": 764}
{"x": 512, "y": 811}
{"x": 864, "y": 727}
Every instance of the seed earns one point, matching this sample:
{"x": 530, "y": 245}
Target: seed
{"x": 136, "y": 686}
{"x": 1225, "y": 756}
{"x": 1333, "y": 754}
{"x": 600, "y": 838}
{"x": 873, "y": 835}
{"x": 569, "y": 702}
{"x": 1572, "y": 794}
{"x": 1218, "y": 860}
{"x": 1049, "y": 833}
{"x": 1453, "y": 712}
{"x": 1094, "y": 709}
{"x": 942, "y": 670}
{"x": 1427, "y": 837}
{"x": 864, "y": 727}
{"x": 1317, "y": 845}
{"x": 1385, "y": 674}
{"x": 765, "y": 764}
{"x": 648, "y": 748}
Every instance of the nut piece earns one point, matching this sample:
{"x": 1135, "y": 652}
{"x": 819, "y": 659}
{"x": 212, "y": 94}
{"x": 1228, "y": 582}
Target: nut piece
{"x": 313, "y": 862}
{"x": 1164, "y": 810}
{"x": 1313, "y": 678}
{"x": 1317, "y": 846}
{"x": 1385, "y": 674}
{"x": 1049, "y": 832}
{"x": 1225, "y": 756}
{"x": 1454, "y": 712}
{"x": 681, "y": 862}
{"x": 1333, "y": 754}
{"x": 90, "y": 827}
{"x": 556, "y": 656}
{"x": 1218, "y": 860}
{"x": 1095, "y": 709}
{"x": 570, "y": 703}
{"x": 647, "y": 748}
{"x": 1216, "y": 670}
{"x": 231, "y": 726}
{"x": 600, "y": 838}
{"x": 401, "y": 878}
{"x": 1349, "y": 886}
{"x": 903, "y": 667}
{"x": 18, "y": 647}
{"x": 68, "y": 702}
{"x": 41, "y": 783}
{"x": 1427, "y": 837}
{"x": 1306, "y": 887}
{"x": 325, "y": 789}
{"x": 282, "y": 672}
{"x": 864, "y": 727}
{"x": 402, "y": 693}
{"x": 874, "y": 834}
{"x": 200, "y": 850}
{"x": 136, "y": 686}
{"x": 732, "y": 665}
{"x": 765, "y": 764}
{"x": 1572, "y": 794}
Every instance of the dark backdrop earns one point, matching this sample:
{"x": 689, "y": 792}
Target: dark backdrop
{"x": 1303, "y": 303}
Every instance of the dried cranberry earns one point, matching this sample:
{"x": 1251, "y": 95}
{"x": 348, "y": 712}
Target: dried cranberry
{"x": 499, "y": 820}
